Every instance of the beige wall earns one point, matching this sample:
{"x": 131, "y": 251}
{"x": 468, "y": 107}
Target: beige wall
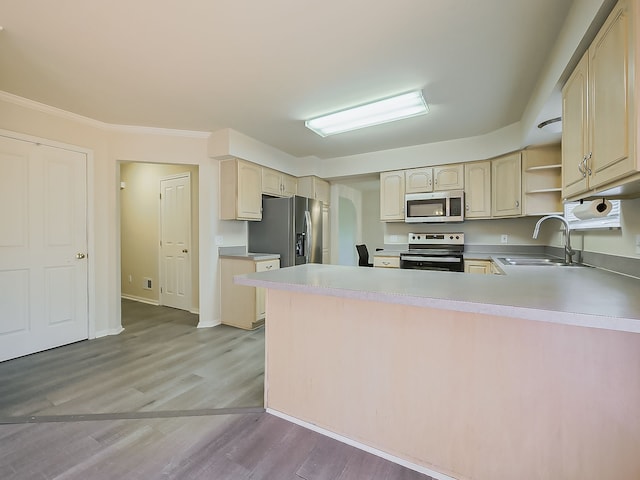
{"x": 140, "y": 228}
{"x": 107, "y": 146}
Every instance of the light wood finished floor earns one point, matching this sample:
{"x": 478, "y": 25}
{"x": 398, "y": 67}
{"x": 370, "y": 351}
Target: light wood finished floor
{"x": 160, "y": 362}
{"x": 162, "y": 400}
{"x": 215, "y": 447}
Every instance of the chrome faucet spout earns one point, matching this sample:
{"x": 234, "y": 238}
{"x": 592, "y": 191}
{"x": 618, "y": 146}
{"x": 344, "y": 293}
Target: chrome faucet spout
{"x": 568, "y": 251}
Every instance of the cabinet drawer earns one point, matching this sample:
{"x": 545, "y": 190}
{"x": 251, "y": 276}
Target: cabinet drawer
{"x": 386, "y": 262}
{"x": 267, "y": 265}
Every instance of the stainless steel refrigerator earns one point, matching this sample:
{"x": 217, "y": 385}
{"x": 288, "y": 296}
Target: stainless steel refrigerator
{"x": 290, "y": 226}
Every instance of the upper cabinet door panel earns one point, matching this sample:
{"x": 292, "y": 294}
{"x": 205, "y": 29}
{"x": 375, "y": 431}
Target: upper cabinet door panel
{"x": 448, "y": 177}
{"x": 418, "y": 180}
{"x": 609, "y": 99}
{"x": 575, "y": 142}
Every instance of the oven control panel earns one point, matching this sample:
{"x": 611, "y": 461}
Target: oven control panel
{"x": 436, "y": 239}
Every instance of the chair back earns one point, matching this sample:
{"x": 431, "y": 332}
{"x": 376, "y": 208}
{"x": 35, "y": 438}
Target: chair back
{"x": 363, "y": 255}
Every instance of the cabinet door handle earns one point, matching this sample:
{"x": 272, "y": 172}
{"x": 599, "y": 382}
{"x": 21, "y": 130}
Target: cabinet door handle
{"x": 517, "y": 203}
{"x": 581, "y": 168}
{"x": 586, "y": 164}
{"x": 268, "y": 267}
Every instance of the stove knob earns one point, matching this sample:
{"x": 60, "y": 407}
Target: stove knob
{"x": 457, "y": 237}
{"x": 450, "y": 237}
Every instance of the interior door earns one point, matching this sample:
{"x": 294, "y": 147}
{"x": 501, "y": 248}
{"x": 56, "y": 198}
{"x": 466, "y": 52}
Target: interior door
{"x": 175, "y": 242}
{"x": 43, "y": 247}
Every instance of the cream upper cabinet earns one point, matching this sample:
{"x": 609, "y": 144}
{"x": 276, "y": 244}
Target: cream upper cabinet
{"x": 575, "y": 142}
{"x": 477, "y": 189}
{"x": 315, "y": 187}
{"x": 448, "y": 177}
{"x": 392, "y": 196}
{"x": 541, "y": 180}
{"x": 240, "y": 190}
{"x": 418, "y": 180}
{"x": 278, "y": 184}
{"x": 599, "y": 112}
{"x": 506, "y": 193}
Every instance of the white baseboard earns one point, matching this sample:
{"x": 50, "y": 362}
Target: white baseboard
{"x": 212, "y": 323}
{"x": 106, "y": 333}
{"x": 139, "y": 299}
{"x": 361, "y": 446}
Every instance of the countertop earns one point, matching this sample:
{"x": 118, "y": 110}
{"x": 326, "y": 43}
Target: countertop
{"x": 256, "y": 257}
{"x": 582, "y": 296}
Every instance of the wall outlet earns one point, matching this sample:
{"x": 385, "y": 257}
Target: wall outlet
{"x": 130, "y": 278}
{"x": 219, "y": 240}
{"x": 146, "y": 283}
{"x": 638, "y": 244}
{"x": 504, "y": 238}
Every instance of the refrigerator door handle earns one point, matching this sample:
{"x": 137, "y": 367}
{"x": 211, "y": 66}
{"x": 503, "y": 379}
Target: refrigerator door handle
{"x": 309, "y": 234}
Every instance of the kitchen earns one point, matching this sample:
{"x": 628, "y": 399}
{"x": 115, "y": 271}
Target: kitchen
{"x": 109, "y": 143}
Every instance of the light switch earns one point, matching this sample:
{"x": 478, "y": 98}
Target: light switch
{"x": 504, "y": 238}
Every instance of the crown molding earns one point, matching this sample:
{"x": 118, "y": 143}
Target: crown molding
{"x": 133, "y": 129}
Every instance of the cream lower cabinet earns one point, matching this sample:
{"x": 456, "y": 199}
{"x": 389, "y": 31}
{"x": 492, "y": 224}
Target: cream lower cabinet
{"x": 482, "y": 267}
{"x": 599, "y": 110}
{"x": 243, "y": 306}
{"x": 386, "y": 261}
{"x": 240, "y": 190}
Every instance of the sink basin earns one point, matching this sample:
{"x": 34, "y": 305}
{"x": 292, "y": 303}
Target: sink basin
{"x": 538, "y": 262}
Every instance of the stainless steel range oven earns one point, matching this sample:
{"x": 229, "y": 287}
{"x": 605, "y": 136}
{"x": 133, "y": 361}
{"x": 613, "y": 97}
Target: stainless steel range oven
{"x": 434, "y": 251}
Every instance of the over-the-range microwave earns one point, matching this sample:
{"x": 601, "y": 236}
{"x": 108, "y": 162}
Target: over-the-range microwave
{"x": 434, "y": 207}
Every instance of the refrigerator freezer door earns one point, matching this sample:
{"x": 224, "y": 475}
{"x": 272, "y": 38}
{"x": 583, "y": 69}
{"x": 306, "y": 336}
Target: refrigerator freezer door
{"x": 275, "y": 233}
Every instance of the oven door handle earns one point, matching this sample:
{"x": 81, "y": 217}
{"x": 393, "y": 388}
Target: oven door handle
{"x": 417, "y": 258}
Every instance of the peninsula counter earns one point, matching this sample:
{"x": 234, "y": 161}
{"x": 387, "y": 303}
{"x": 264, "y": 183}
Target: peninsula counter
{"x": 462, "y": 376}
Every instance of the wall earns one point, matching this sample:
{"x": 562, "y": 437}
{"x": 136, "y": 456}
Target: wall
{"x": 346, "y": 224}
{"x": 107, "y": 145}
{"x": 42, "y": 122}
{"x": 140, "y": 227}
{"x": 477, "y": 232}
{"x": 372, "y": 227}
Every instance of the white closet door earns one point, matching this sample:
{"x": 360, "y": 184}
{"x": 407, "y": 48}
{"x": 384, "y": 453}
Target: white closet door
{"x": 43, "y": 247}
{"x": 175, "y": 240}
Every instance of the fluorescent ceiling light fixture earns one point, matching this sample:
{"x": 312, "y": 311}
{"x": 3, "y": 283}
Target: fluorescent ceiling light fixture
{"x": 381, "y": 111}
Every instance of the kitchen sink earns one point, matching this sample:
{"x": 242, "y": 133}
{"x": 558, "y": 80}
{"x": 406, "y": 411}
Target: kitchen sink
{"x": 538, "y": 262}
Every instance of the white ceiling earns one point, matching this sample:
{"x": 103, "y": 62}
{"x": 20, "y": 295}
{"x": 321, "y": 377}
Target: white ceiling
{"x": 263, "y": 67}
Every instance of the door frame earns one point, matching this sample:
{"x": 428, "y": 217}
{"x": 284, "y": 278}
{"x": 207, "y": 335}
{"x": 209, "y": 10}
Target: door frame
{"x": 161, "y": 278}
{"x": 91, "y": 246}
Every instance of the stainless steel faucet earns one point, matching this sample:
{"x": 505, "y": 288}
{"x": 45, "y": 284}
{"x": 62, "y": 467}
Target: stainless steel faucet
{"x": 568, "y": 251}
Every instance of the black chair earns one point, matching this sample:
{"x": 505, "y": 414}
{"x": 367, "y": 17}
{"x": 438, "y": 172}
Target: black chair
{"x": 363, "y": 256}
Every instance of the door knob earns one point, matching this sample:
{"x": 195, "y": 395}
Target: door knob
{"x": 80, "y": 256}
{"x": 184, "y": 250}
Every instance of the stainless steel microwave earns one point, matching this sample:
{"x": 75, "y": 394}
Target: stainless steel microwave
{"x": 436, "y": 207}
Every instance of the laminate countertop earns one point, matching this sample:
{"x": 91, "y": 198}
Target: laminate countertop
{"x": 256, "y": 257}
{"x": 582, "y": 296}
